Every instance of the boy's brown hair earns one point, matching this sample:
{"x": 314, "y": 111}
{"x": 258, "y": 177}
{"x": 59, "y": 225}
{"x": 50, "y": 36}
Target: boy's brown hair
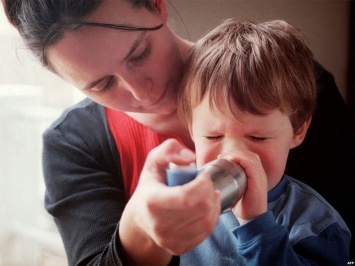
{"x": 258, "y": 67}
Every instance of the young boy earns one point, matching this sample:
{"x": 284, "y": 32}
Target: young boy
{"x": 248, "y": 95}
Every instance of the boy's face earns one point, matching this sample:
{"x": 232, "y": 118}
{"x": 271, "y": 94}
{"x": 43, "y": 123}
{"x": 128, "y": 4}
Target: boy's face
{"x": 270, "y": 136}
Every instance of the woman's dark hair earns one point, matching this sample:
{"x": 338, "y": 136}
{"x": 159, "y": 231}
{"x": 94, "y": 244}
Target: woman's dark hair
{"x": 41, "y": 23}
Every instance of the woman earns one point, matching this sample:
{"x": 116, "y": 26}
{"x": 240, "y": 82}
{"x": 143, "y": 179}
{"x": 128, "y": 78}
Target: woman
{"x": 123, "y": 57}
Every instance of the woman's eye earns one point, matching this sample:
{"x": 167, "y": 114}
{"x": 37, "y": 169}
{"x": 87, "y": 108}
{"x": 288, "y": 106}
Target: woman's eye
{"x": 140, "y": 57}
{"x": 109, "y": 84}
{"x": 105, "y": 84}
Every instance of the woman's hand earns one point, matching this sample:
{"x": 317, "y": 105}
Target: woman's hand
{"x": 161, "y": 221}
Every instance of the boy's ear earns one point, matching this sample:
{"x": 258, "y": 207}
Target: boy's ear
{"x": 160, "y": 6}
{"x": 299, "y": 136}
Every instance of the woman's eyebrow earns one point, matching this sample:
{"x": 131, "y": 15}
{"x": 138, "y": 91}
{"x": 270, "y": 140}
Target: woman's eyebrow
{"x": 130, "y": 52}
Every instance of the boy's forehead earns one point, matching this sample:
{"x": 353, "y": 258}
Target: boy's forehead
{"x": 209, "y": 107}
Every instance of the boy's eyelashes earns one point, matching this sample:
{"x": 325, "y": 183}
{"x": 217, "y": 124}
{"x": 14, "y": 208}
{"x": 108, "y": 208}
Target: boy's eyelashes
{"x": 257, "y": 139}
{"x": 252, "y": 138}
{"x": 214, "y": 137}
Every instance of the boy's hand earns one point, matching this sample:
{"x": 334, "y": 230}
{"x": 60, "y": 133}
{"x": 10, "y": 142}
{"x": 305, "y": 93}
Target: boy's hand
{"x": 254, "y": 201}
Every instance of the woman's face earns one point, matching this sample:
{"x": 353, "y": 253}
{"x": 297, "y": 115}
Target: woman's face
{"x": 131, "y": 71}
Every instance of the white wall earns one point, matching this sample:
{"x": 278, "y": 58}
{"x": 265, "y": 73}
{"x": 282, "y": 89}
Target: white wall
{"x": 30, "y": 99}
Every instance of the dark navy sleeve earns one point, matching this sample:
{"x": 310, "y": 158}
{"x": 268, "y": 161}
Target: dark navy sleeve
{"x": 264, "y": 242}
{"x": 84, "y": 189}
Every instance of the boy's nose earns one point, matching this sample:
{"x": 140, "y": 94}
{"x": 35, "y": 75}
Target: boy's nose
{"x": 233, "y": 145}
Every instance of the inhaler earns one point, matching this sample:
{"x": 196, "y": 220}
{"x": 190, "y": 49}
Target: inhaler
{"x": 227, "y": 177}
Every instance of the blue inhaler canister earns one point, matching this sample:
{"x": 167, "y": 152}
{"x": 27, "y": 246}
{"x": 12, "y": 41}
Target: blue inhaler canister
{"x": 227, "y": 177}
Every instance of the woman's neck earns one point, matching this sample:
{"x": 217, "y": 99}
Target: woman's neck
{"x": 165, "y": 124}
{"x": 184, "y": 45}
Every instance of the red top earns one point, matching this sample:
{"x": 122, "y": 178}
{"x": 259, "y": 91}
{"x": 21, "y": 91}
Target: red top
{"x": 134, "y": 141}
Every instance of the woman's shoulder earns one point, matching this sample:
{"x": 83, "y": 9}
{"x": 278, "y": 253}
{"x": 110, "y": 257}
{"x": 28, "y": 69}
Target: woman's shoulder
{"x": 83, "y": 124}
{"x": 81, "y": 134}
{"x": 84, "y": 112}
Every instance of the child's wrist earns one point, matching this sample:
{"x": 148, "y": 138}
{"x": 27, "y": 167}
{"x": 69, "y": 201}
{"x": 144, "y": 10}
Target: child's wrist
{"x": 243, "y": 221}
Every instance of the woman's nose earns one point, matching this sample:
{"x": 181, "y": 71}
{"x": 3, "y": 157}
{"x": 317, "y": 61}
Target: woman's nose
{"x": 140, "y": 89}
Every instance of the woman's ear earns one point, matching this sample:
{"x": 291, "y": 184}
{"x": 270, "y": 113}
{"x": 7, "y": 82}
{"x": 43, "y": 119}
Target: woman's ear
{"x": 299, "y": 136}
{"x": 160, "y": 6}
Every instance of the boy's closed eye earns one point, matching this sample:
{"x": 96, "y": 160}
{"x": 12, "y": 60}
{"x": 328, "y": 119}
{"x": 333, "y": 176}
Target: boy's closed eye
{"x": 216, "y": 137}
{"x": 257, "y": 139}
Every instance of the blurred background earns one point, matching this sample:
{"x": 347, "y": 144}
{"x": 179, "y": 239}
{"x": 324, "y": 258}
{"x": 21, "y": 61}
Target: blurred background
{"x": 31, "y": 98}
